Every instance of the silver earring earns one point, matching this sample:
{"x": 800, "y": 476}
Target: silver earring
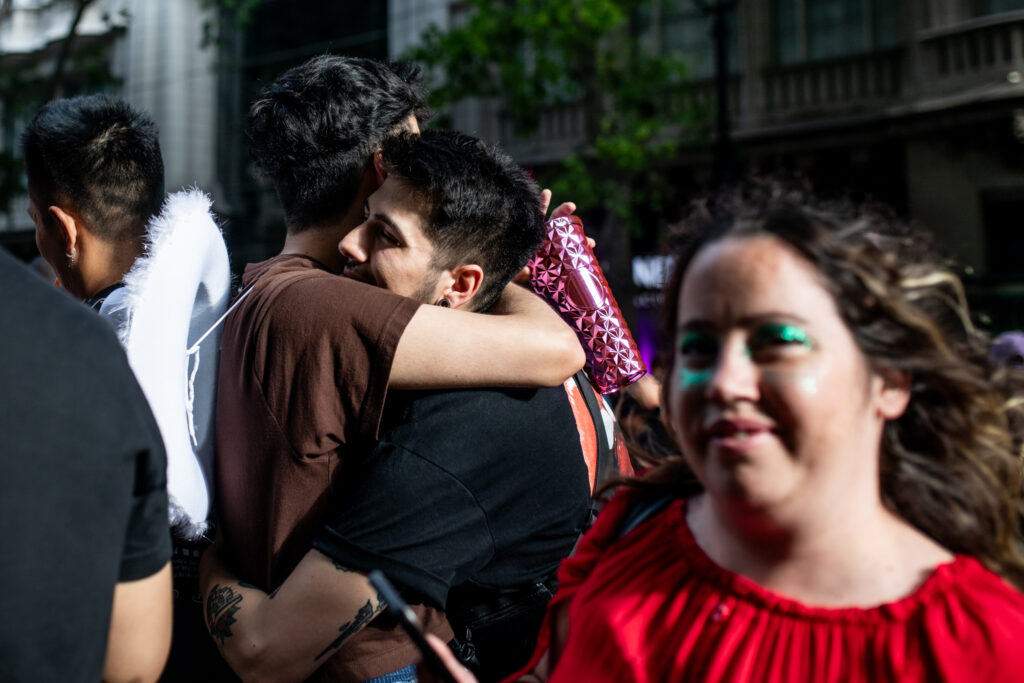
{"x": 71, "y": 256}
{"x": 444, "y": 302}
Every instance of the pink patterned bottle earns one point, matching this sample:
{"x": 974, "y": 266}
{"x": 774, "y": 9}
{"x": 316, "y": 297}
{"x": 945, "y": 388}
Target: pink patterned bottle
{"x": 566, "y": 273}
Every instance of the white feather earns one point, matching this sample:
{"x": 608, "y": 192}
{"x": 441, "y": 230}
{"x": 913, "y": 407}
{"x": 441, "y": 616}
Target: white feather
{"x": 173, "y": 295}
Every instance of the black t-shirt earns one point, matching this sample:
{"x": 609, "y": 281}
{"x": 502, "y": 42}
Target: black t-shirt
{"x": 83, "y": 502}
{"x": 484, "y": 488}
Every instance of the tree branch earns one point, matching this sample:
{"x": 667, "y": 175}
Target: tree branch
{"x": 65, "y": 50}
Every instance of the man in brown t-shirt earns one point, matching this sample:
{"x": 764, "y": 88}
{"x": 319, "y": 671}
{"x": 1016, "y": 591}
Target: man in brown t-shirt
{"x": 307, "y": 356}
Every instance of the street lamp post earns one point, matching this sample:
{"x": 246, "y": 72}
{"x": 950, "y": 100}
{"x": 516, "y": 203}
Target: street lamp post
{"x": 718, "y": 10}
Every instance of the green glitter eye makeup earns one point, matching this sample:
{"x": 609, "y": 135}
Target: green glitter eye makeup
{"x": 768, "y": 335}
{"x": 772, "y": 342}
{"x": 698, "y": 343}
{"x": 697, "y": 348}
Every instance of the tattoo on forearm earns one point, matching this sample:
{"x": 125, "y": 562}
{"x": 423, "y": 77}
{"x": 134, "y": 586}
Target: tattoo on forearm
{"x": 221, "y": 606}
{"x": 364, "y": 616}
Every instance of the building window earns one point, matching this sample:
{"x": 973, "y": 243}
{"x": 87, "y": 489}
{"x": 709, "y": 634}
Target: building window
{"x": 688, "y": 32}
{"x": 810, "y": 30}
{"x": 984, "y": 7}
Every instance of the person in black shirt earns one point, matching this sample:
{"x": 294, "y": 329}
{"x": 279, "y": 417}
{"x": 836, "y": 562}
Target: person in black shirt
{"x": 95, "y": 183}
{"x": 471, "y": 498}
{"x": 470, "y": 503}
{"x": 86, "y": 545}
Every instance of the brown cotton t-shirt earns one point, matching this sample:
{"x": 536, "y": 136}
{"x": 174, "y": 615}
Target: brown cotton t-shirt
{"x": 304, "y": 366}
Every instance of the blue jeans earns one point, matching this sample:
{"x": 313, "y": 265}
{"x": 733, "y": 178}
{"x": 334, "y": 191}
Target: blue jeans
{"x": 406, "y": 675}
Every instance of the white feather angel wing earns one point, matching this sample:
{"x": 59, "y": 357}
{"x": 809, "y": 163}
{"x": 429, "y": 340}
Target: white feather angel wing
{"x": 173, "y": 299}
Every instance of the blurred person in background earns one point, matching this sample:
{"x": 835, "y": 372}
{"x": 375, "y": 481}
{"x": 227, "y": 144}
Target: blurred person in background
{"x": 1007, "y": 350}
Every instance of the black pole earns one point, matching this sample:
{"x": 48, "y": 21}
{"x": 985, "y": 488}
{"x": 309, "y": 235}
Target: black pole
{"x": 724, "y": 162}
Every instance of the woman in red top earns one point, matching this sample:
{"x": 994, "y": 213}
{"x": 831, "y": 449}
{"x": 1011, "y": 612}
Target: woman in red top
{"x": 846, "y": 508}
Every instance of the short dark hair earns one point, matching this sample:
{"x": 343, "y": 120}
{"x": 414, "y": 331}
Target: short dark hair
{"x": 314, "y": 130}
{"x": 101, "y": 158}
{"x": 481, "y": 207}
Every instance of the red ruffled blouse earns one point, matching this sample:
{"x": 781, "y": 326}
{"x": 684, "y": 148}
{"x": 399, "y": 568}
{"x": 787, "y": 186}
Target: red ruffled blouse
{"x": 652, "y": 607}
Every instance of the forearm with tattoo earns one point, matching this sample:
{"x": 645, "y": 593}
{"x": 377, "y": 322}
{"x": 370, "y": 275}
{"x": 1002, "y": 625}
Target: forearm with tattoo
{"x": 221, "y": 606}
{"x": 363, "y": 617}
{"x": 282, "y": 635}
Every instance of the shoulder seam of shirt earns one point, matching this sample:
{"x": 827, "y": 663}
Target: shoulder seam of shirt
{"x": 287, "y": 279}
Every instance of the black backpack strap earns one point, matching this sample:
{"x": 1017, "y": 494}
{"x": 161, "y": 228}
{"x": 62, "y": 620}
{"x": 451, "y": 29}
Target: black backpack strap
{"x": 638, "y": 513}
{"x": 643, "y": 511}
{"x": 604, "y": 447}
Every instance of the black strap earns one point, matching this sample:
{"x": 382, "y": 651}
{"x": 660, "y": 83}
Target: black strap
{"x": 604, "y": 448}
{"x": 643, "y": 511}
{"x": 95, "y": 302}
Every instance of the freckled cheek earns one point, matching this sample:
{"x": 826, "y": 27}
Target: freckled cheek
{"x": 805, "y": 381}
{"x": 797, "y": 398}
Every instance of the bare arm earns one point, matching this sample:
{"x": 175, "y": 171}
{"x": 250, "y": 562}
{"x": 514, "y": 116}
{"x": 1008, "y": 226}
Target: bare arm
{"x": 287, "y": 635}
{"x": 140, "y": 629}
{"x": 646, "y": 391}
{"x": 523, "y": 343}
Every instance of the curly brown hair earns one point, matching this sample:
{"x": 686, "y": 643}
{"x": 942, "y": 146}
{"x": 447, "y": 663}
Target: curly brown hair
{"x": 951, "y": 464}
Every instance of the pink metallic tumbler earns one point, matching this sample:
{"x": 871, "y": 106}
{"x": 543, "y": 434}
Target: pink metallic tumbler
{"x": 566, "y": 273}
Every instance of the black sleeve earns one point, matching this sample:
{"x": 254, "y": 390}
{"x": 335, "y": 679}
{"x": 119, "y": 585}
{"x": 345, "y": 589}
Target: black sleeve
{"x": 147, "y": 542}
{"x": 412, "y": 520}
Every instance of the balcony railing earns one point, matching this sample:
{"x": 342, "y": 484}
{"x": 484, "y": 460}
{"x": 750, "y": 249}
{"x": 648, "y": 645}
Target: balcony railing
{"x": 980, "y": 58}
{"x": 701, "y": 94}
{"x": 979, "y": 52}
{"x": 562, "y": 129}
{"x": 837, "y": 86}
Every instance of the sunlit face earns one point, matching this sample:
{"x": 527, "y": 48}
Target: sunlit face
{"x": 389, "y": 249}
{"x": 772, "y": 401}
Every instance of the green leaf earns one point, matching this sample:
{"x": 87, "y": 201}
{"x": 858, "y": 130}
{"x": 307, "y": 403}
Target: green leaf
{"x": 538, "y": 54}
